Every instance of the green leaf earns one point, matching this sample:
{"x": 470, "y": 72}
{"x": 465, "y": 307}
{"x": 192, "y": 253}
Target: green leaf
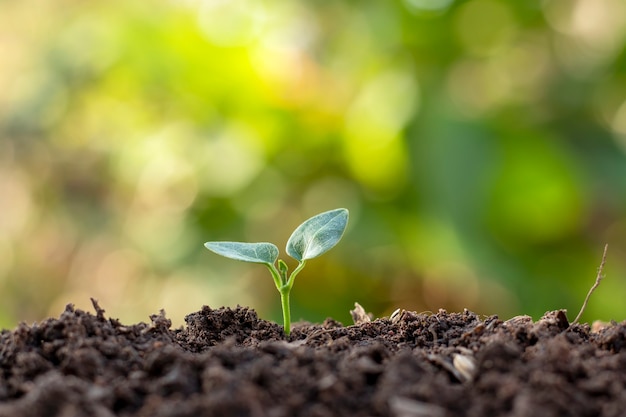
{"x": 317, "y": 235}
{"x": 259, "y": 253}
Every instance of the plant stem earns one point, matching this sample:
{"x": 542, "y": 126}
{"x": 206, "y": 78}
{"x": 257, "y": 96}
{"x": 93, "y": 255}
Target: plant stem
{"x": 284, "y": 301}
{"x": 284, "y": 288}
{"x": 276, "y": 275}
{"x": 295, "y": 272}
{"x": 284, "y": 297}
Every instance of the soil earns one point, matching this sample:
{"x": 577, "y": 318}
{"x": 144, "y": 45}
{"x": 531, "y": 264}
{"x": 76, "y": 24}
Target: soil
{"x": 228, "y": 362}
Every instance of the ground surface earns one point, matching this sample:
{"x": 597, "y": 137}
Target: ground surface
{"x": 228, "y": 362}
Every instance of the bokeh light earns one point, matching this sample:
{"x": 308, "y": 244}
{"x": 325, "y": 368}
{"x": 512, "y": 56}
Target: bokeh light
{"x": 480, "y": 147}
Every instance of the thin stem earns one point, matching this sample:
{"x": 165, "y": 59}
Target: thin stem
{"x": 284, "y": 298}
{"x": 595, "y": 285}
{"x": 284, "y": 288}
{"x": 276, "y": 275}
{"x": 284, "y": 301}
{"x": 295, "y": 272}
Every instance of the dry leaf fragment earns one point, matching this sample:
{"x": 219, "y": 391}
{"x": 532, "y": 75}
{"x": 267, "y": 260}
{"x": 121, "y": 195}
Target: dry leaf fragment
{"x": 359, "y": 316}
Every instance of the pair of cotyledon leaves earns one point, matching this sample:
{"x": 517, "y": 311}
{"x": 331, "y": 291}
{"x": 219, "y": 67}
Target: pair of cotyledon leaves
{"x": 312, "y": 238}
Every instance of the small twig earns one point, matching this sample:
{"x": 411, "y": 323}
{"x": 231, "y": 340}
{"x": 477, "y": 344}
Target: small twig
{"x": 595, "y": 285}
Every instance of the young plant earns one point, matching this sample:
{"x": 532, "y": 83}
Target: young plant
{"x": 311, "y": 239}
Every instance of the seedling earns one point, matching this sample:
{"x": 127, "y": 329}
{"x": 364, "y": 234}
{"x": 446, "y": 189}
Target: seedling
{"x": 311, "y": 239}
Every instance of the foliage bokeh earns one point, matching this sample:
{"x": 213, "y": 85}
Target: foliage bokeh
{"x": 480, "y": 147}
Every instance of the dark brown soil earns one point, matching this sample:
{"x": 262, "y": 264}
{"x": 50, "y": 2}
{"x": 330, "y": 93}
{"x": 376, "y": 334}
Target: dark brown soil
{"x": 230, "y": 363}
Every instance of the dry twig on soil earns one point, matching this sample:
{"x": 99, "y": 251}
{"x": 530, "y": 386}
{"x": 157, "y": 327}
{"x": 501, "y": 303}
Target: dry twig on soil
{"x": 595, "y": 285}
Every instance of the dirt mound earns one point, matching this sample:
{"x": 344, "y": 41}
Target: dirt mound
{"x": 228, "y": 362}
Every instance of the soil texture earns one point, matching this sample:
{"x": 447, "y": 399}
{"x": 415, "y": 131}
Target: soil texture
{"x": 228, "y": 362}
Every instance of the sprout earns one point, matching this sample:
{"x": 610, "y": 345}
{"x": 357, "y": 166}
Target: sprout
{"x": 311, "y": 239}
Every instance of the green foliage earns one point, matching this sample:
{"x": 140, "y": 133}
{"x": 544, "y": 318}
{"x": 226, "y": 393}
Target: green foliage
{"x": 480, "y": 146}
{"x": 311, "y": 239}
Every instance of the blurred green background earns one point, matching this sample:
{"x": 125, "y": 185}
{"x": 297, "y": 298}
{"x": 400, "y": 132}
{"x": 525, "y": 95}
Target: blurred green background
{"x": 479, "y": 145}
